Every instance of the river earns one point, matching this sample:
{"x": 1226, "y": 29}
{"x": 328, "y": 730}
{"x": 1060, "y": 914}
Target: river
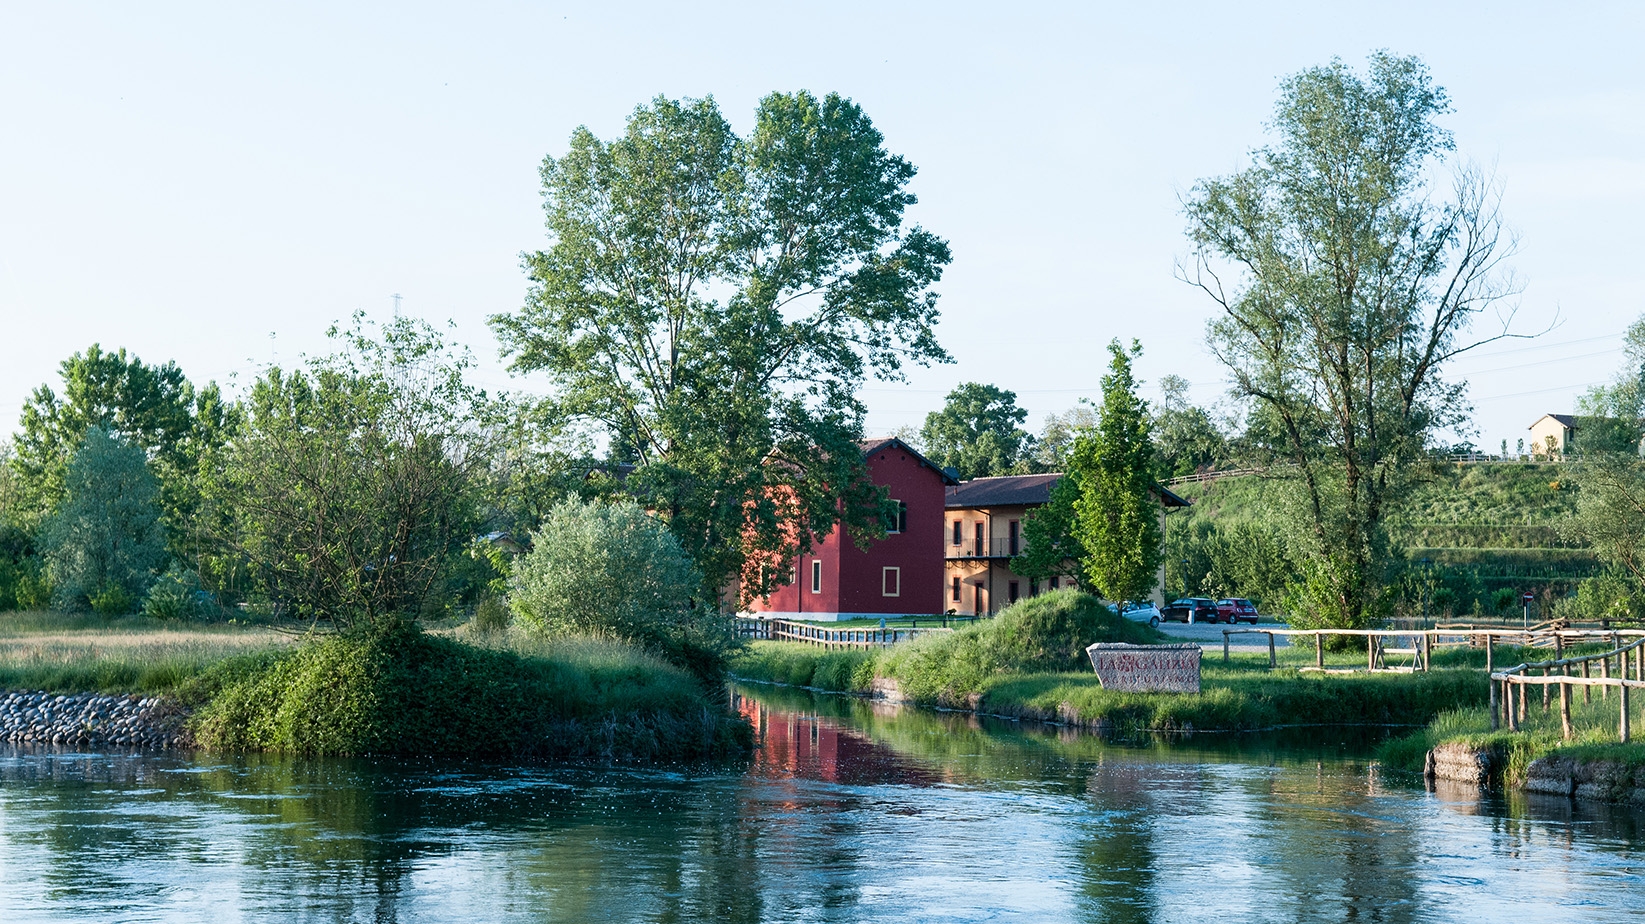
{"x": 850, "y": 811}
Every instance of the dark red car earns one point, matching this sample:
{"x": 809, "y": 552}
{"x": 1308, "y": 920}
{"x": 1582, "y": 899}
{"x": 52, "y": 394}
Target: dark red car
{"x": 1236, "y": 609}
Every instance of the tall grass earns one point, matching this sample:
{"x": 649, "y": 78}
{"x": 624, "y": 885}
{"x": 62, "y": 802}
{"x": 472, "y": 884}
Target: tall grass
{"x": 66, "y": 653}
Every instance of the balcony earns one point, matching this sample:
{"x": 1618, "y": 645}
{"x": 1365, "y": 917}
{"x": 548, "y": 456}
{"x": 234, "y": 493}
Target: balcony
{"x": 992, "y": 548}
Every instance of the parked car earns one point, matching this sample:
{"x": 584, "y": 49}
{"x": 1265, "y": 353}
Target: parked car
{"x": 1190, "y": 609}
{"x": 1139, "y": 612}
{"x": 1236, "y": 609}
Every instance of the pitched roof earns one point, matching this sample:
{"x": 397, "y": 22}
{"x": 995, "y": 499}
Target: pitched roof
{"x": 1023, "y": 490}
{"x": 1565, "y": 420}
{"x": 871, "y": 446}
{"x": 1003, "y": 491}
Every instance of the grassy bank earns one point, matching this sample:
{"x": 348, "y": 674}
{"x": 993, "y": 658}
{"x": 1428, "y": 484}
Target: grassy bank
{"x": 1030, "y": 663}
{"x": 393, "y": 691}
{"x": 1594, "y": 739}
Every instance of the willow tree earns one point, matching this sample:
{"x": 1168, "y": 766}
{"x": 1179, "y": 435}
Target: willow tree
{"x": 1346, "y": 283}
{"x": 712, "y": 302}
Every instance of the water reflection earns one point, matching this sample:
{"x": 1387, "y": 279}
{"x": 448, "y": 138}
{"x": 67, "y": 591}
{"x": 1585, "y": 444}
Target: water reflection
{"x": 848, "y": 811}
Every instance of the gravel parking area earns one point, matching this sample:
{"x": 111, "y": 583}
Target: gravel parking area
{"x": 1209, "y": 635}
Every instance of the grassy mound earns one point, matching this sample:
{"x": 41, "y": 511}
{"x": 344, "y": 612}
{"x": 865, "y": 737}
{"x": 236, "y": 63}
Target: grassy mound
{"x": 1044, "y": 634}
{"x": 396, "y": 690}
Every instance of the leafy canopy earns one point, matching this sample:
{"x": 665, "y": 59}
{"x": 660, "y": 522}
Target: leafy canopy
{"x": 351, "y": 489}
{"x": 978, "y": 431}
{"x": 104, "y": 543}
{"x": 1345, "y": 287}
{"x": 1116, "y": 515}
{"x": 712, "y": 302}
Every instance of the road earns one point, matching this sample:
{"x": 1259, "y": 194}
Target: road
{"x": 1209, "y": 635}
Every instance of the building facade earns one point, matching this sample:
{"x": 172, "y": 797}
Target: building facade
{"x": 984, "y": 532}
{"x": 899, "y": 575}
{"x": 1552, "y": 435}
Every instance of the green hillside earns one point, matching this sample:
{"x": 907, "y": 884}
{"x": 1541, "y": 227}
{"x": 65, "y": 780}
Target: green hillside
{"x": 1487, "y": 532}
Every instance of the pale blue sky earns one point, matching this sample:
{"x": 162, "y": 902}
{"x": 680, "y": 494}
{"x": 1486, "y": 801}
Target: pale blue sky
{"x": 215, "y": 185}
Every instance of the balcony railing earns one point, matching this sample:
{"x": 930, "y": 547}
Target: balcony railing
{"x": 990, "y": 548}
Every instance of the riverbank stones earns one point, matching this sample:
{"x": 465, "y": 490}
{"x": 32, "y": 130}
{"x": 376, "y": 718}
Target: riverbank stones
{"x": 91, "y": 720}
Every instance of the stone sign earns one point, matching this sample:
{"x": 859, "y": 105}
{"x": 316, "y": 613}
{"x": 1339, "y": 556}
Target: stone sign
{"x": 1146, "y": 668}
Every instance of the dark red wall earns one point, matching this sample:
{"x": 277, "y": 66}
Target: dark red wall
{"x": 852, "y": 578}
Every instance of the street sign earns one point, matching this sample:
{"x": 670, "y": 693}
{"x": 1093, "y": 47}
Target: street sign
{"x": 1527, "y": 597}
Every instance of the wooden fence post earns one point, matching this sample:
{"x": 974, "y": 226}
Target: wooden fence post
{"x": 1508, "y": 703}
{"x": 1545, "y": 691}
{"x": 1622, "y": 726}
{"x": 1271, "y": 662}
{"x": 1587, "y": 691}
{"x": 1488, "y": 652}
{"x": 1370, "y": 652}
{"x": 1522, "y": 698}
{"x": 1319, "y": 651}
{"x": 1605, "y": 673}
{"x": 1565, "y": 711}
{"x": 1225, "y": 646}
{"x": 1494, "y": 720}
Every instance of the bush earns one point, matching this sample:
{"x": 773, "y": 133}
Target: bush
{"x": 615, "y": 571}
{"x": 391, "y": 689}
{"x": 174, "y": 595}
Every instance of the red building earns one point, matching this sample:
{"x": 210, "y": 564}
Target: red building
{"x": 900, "y": 575}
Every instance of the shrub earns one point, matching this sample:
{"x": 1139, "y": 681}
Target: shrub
{"x": 392, "y": 689}
{"x": 174, "y": 595}
{"x": 615, "y": 571}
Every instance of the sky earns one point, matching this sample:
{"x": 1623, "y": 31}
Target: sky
{"x": 215, "y": 184}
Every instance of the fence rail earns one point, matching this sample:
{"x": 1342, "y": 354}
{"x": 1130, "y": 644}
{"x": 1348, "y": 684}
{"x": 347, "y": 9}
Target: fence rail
{"x": 824, "y": 636}
{"x": 1519, "y": 679}
{"x": 1424, "y": 641}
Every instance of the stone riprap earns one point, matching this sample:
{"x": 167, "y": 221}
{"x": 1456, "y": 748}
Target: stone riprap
{"x": 89, "y": 720}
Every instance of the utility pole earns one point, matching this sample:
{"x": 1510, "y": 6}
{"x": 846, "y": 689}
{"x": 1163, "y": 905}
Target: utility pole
{"x": 396, "y": 297}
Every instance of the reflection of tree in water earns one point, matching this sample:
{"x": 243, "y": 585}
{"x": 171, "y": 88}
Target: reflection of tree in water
{"x": 1117, "y": 859}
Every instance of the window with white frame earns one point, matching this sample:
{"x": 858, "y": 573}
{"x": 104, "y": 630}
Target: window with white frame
{"x": 816, "y": 577}
{"x": 891, "y": 582}
{"x": 896, "y": 518}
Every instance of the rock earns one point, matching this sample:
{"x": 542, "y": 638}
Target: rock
{"x": 1460, "y": 763}
{"x": 1552, "y": 776}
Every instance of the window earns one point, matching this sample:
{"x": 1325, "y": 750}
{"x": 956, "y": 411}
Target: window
{"x": 956, "y": 595}
{"x": 1016, "y": 534}
{"x": 982, "y": 544}
{"x": 1053, "y": 582}
{"x": 1011, "y": 592}
{"x": 957, "y": 538}
{"x": 816, "y": 577}
{"x": 890, "y": 582}
{"x": 976, "y": 600}
{"x": 896, "y": 521}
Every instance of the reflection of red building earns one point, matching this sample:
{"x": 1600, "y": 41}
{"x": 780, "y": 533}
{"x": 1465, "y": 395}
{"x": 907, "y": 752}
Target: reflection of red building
{"x": 804, "y": 744}
{"x": 899, "y": 575}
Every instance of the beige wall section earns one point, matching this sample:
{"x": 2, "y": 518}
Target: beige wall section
{"x": 984, "y": 572}
{"x": 1549, "y": 427}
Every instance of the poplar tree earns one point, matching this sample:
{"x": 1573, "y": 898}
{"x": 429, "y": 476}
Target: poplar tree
{"x": 1116, "y": 516}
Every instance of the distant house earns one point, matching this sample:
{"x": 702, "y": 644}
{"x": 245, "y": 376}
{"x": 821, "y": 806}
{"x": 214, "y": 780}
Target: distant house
{"x": 899, "y": 575}
{"x": 984, "y": 532}
{"x": 1560, "y": 428}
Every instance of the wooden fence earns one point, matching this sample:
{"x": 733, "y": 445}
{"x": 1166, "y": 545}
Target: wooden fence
{"x": 1420, "y": 643}
{"x": 1520, "y": 679}
{"x": 825, "y": 636}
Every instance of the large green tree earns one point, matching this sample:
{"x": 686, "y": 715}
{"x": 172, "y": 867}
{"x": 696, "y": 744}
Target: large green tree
{"x": 104, "y": 543}
{"x": 711, "y": 303}
{"x": 1116, "y": 516}
{"x": 1186, "y": 437}
{"x": 351, "y": 490}
{"x": 978, "y": 431}
{"x": 1346, "y": 283}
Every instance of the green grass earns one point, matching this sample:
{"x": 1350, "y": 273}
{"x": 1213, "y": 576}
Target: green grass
{"x": 397, "y": 690}
{"x": 1030, "y": 663}
{"x": 1594, "y": 737}
{"x": 67, "y": 653}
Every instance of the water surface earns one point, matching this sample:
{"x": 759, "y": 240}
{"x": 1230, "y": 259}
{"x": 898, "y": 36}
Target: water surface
{"x": 848, "y": 812}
